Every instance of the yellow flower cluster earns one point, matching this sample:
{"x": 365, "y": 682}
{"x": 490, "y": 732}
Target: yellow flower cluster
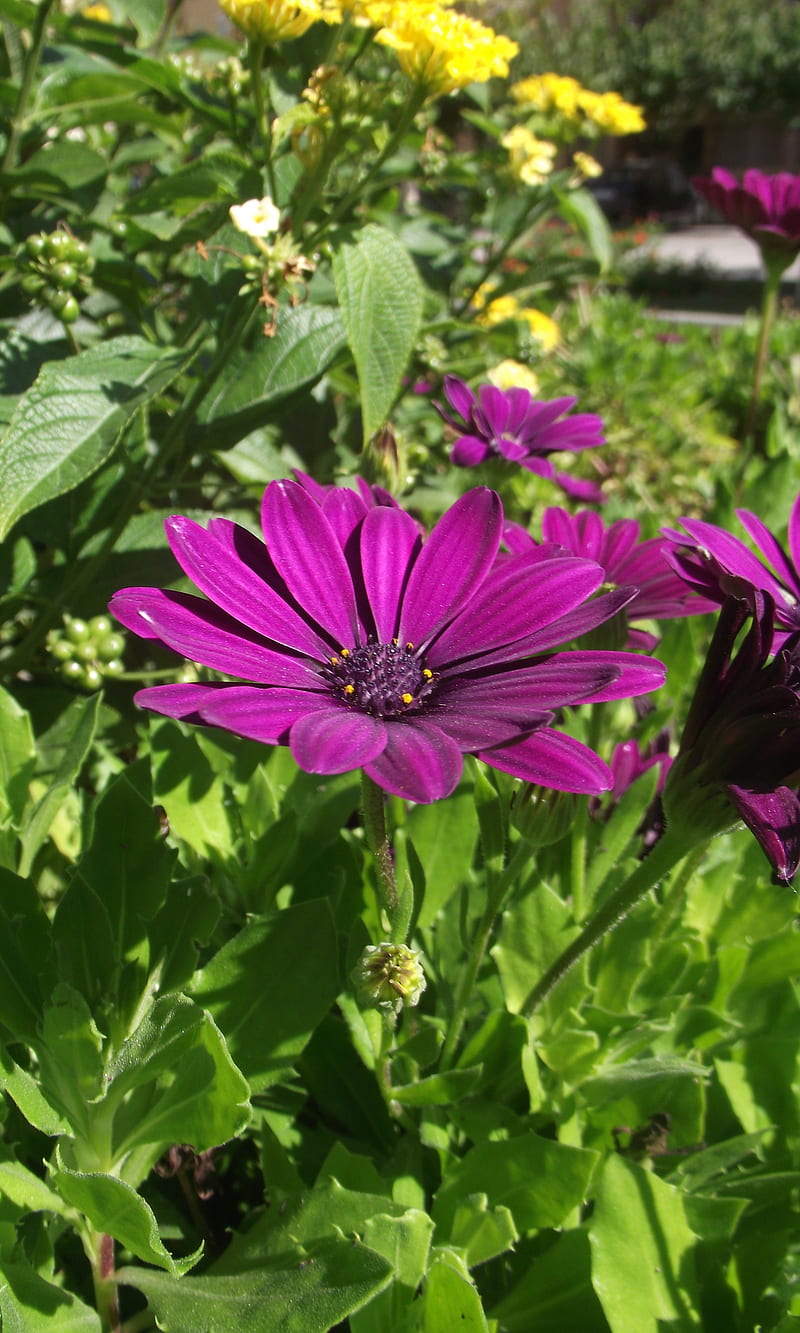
{"x": 531, "y": 159}
{"x": 606, "y": 112}
{"x": 544, "y": 329}
{"x": 274, "y": 21}
{"x": 586, "y": 166}
{"x": 438, "y": 48}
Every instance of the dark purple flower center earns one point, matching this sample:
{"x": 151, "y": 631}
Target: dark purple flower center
{"x": 382, "y": 679}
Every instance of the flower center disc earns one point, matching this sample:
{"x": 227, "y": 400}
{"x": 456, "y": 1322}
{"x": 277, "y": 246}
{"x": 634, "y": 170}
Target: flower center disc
{"x": 382, "y": 679}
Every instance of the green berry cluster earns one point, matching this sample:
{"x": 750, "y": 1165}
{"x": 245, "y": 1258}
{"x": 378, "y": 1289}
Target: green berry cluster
{"x": 87, "y": 651}
{"x": 57, "y": 272}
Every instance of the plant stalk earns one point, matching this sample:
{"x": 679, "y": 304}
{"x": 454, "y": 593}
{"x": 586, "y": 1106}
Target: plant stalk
{"x": 372, "y": 805}
{"x": 26, "y": 87}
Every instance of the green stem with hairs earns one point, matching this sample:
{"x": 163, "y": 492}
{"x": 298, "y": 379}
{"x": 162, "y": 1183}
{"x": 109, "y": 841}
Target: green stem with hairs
{"x": 26, "y": 87}
{"x": 374, "y": 813}
{"x": 769, "y": 306}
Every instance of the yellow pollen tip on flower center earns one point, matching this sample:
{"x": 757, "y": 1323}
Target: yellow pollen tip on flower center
{"x": 407, "y": 698}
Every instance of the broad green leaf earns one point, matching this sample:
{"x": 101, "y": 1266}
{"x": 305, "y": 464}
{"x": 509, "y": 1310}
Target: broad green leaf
{"x": 27, "y": 1190}
{"x": 306, "y": 341}
{"x": 643, "y": 1262}
{"x": 444, "y": 837}
{"x": 146, "y": 16}
{"x": 307, "y": 1292}
{"x": 270, "y": 986}
{"x": 24, "y": 936}
{"x": 72, "y": 417}
{"x": 215, "y": 176}
{"x": 70, "y": 1055}
{"x": 115, "y": 1208}
{"x": 29, "y": 1304}
{"x": 195, "y": 798}
{"x": 38, "y": 820}
{"x": 17, "y": 759}
{"x": 381, "y": 298}
{"x": 581, "y": 209}
{"x": 439, "y": 1089}
{"x": 630, "y": 1093}
{"x": 482, "y": 1232}
{"x": 185, "y": 921}
{"x": 555, "y": 1292}
{"x": 405, "y": 1241}
{"x": 539, "y": 1180}
{"x": 532, "y": 935}
{"x": 26, "y": 1092}
{"x": 451, "y": 1302}
{"x": 619, "y": 829}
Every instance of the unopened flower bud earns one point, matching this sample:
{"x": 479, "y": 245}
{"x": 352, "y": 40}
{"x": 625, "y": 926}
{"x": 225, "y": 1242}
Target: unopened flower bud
{"x": 389, "y": 976}
{"x": 541, "y": 815}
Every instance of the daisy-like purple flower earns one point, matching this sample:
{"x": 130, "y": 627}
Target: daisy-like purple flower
{"x": 767, "y": 208}
{"x": 741, "y": 743}
{"x": 709, "y": 553}
{"x": 512, "y": 424}
{"x": 661, "y": 593}
{"x": 362, "y": 646}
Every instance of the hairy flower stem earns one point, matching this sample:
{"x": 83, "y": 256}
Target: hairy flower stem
{"x": 255, "y": 57}
{"x": 768, "y": 308}
{"x": 649, "y": 872}
{"x": 106, "y": 1292}
{"x": 26, "y": 87}
{"x": 378, "y": 842}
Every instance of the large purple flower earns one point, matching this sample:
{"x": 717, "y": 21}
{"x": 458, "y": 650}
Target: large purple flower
{"x": 767, "y": 208}
{"x": 741, "y": 743}
{"x": 364, "y": 647}
{"x": 512, "y": 424}
{"x": 661, "y": 593}
{"x": 709, "y": 553}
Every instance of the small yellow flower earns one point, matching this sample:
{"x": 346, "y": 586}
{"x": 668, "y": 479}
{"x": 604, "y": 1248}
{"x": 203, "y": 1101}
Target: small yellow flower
{"x": 280, "y": 20}
{"x": 256, "y": 217}
{"x": 549, "y": 92}
{"x": 586, "y": 166}
{"x": 496, "y": 311}
{"x": 438, "y": 48}
{"x": 99, "y": 12}
{"x": 544, "y": 329}
{"x": 513, "y": 375}
{"x": 610, "y": 113}
{"x": 531, "y": 159}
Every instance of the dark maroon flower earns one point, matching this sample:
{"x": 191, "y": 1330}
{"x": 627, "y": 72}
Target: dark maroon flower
{"x": 363, "y": 646}
{"x": 512, "y": 424}
{"x": 741, "y": 743}
{"x": 767, "y": 208}
{"x": 709, "y": 554}
{"x": 627, "y": 562}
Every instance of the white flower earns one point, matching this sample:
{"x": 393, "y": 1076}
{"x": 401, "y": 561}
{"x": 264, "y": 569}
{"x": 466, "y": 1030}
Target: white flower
{"x": 256, "y": 217}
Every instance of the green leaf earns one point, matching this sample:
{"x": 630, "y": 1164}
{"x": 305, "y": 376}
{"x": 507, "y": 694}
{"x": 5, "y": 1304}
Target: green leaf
{"x": 439, "y": 1089}
{"x": 17, "y": 759}
{"x": 381, "y": 297}
{"x": 539, "y": 1180}
{"x": 192, "y": 794}
{"x": 29, "y": 1304}
{"x": 27, "y": 1190}
{"x": 71, "y": 418}
{"x": 26, "y": 1093}
{"x": 642, "y": 1251}
{"x": 270, "y": 986}
{"x": 532, "y": 935}
{"x": 304, "y": 1293}
{"x": 24, "y": 935}
{"x": 555, "y": 1292}
{"x": 186, "y": 920}
{"x": 451, "y": 1302}
{"x": 444, "y": 837}
{"x": 82, "y": 714}
{"x": 113, "y": 1207}
{"x": 581, "y": 209}
{"x": 482, "y": 1232}
{"x": 70, "y": 1055}
{"x": 306, "y": 341}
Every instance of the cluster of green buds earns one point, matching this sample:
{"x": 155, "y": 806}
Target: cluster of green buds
{"x": 57, "y": 272}
{"x": 87, "y": 651}
{"x": 389, "y": 976}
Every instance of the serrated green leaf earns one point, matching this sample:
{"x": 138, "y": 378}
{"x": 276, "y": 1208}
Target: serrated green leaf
{"x": 71, "y": 418}
{"x": 451, "y": 1302}
{"x": 26, "y": 1093}
{"x": 29, "y": 1191}
{"x": 29, "y": 1304}
{"x": 381, "y": 298}
{"x": 195, "y": 798}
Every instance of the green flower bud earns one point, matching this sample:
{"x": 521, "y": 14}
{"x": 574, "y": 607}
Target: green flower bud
{"x": 76, "y": 630}
{"x": 60, "y": 649}
{"x": 32, "y": 283}
{"x": 86, "y": 651}
{"x": 72, "y": 671}
{"x": 59, "y": 245}
{"x": 69, "y": 311}
{"x": 541, "y": 815}
{"x": 35, "y": 245}
{"x": 66, "y": 275}
{"x": 389, "y": 976}
{"x": 92, "y": 678}
{"x": 99, "y": 626}
{"x": 113, "y": 668}
{"x": 110, "y": 646}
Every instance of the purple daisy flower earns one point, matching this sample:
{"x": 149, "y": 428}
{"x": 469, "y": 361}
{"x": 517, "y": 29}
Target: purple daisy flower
{"x": 767, "y": 208}
{"x": 661, "y": 592}
{"x": 364, "y": 647}
{"x": 741, "y": 743}
{"x": 512, "y": 424}
{"x": 709, "y": 553}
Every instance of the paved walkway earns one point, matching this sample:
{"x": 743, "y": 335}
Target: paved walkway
{"x": 724, "y": 248}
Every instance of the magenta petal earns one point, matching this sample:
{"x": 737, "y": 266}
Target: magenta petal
{"x": 459, "y": 395}
{"x": 308, "y": 556}
{"x": 794, "y": 535}
{"x": 770, "y": 547}
{"x": 773, "y": 817}
{"x": 452, "y": 564}
{"x": 552, "y": 759}
{"x": 469, "y": 451}
{"x": 634, "y": 674}
{"x": 198, "y": 630}
{"x": 181, "y": 701}
{"x": 336, "y": 740}
{"x": 262, "y": 714}
{"x": 732, "y": 554}
{"x": 390, "y": 540}
{"x": 419, "y": 763}
{"x": 210, "y": 559}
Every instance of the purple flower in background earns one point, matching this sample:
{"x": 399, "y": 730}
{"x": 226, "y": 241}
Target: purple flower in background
{"x": 708, "y": 554}
{"x": 741, "y": 743}
{"x": 364, "y": 647}
{"x": 512, "y": 424}
{"x": 661, "y": 593}
{"x": 767, "y": 208}
{"x": 628, "y": 762}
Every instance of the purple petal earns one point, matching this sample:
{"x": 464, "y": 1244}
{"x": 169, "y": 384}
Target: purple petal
{"x": 262, "y": 714}
{"x": 336, "y": 740}
{"x": 634, "y": 674}
{"x": 198, "y": 630}
{"x": 770, "y": 547}
{"x": 794, "y": 533}
{"x": 344, "y": 510}
{"x": 452, "y": 564}
{"x": 222, "y": 562}
{"x": 459, "y": 395}
{"x": 773, "y": 817}
{"x": 419, "y": 763}
{"x": 552, "y": 759}
{"x": 587, "y": 491}
{"x": 469, "y": 451}
{"x": 308, "y": 556}
{"x": 732, "y": 554}
{"x": 390, "y": 541}
{"x": 181, "y": 701}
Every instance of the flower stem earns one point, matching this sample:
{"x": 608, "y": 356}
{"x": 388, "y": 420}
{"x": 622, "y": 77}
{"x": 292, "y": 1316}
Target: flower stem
{"x": 255, "y": 52}
{"x": 666, "y": 853}
{"x": 378, "y": 843}
{"x": 26, "y": 87}
{"x": 106, "y": 1292}
{"x": 768, "y": 307}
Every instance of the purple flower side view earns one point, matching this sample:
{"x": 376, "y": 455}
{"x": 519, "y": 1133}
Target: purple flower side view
{"x": 767, "y": 208}
{"x": 709, "y": 553}
{"x": 741, "y": 743}
{"x": 662, "y": 594}
{"x": 512, "y": 424}
{"x": 361, "y": 646}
